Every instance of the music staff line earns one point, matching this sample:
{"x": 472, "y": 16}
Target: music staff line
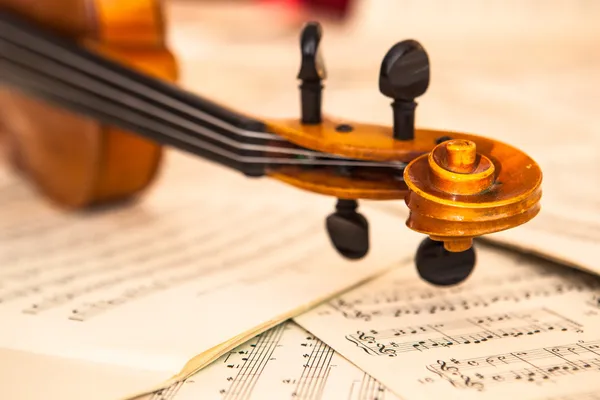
{"x": 463, "y": 302}
{"x": 368, "y": 388}
{"x": 315, "y": 373}
{"x": 404, "y": 290}
{"x": 462, "y": 332}
{"x": 244, "y": 381}
{"x": 532, "y": 374}
{"x": 79, "y": 269}
{"x": 184, "y": 274}
{"x": 574, "y": 349}
{"x": 126, "y": 248}
{"x": 540, "y": 366}
{"x": 167, "y": 393}
{"x": 285, "y": 361}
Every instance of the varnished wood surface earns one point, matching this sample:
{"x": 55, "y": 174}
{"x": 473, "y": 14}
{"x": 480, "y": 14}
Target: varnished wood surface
{"x": 74, "y": 23}
{"x": 75, "y": 161}
{"x": 365, "y": 142}
{"x": 372, "y": 185}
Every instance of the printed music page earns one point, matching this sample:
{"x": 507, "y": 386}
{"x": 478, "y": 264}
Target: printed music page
{"x": 284, "y": 362}
{"x": 564, "y": 138}
{"x": 516, "y": 326}
{"x": 203, "y": 262}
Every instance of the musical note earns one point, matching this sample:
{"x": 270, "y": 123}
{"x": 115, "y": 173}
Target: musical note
{"x": 168, "y": 393}
{"x": 536, "y": 366}
{"x": 517, "y": 327}
{"x": 283, "y": 362}
{"x": 594, "y": 301}
{"x": 369, "y": 389}
{"x": 150, "y": 268}
{"x": 174, "y": 269}
{"x": 476, "y": 330}
{"x": 418, "y": 302}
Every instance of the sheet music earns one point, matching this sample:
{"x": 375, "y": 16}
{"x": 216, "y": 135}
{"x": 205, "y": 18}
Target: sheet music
{"x": 207, "y": 257}
{"x": 568, "y": 227}
{"x": 285, "y": 362}
{"x": 516, "y": 326}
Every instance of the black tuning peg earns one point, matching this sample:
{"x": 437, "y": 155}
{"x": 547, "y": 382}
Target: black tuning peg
{"x": 312, "y": 72}
{"x": 404, "y": 75}
{"x": 441, "y": 267}
{"x": 348, "y": 230}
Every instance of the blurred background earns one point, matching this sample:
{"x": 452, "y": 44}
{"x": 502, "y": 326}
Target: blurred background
{"x": 525, "y": 59}
{"x": 522, "y": 71}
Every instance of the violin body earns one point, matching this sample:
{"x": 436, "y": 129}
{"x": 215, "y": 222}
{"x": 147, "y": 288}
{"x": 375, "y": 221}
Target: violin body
{"x": 95, "y": 101}
{"x": 77, "y": 161}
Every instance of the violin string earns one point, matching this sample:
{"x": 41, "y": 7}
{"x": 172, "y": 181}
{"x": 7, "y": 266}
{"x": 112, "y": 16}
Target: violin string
{"x": 80, "y": 99}
{"x": 124, "y": 97}
{"x": 72, "y": 95}
{"x": 75, "y": 78}
{"x": 60, "y": 54}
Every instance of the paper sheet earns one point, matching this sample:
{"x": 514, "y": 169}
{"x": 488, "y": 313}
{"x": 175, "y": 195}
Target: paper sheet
{"x": 207, "y": 256}
{"x": 567, "y": 147}
{"x": 285, "y": 362}
{"x": 516, "y": 326}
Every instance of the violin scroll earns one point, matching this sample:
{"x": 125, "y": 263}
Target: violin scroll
{"x": 457, "y": 186}
{"x": 462, "y": 190}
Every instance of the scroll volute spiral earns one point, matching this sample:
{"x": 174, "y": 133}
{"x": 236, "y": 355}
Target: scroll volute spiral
{"x": 469, "y": 187}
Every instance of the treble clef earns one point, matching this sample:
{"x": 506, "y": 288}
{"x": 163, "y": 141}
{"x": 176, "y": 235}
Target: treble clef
{"x": 472, "y": 384}
{"x": 444, "y": 367}
{"x": 363, "y": 337}
{"x": 385, "y": 350}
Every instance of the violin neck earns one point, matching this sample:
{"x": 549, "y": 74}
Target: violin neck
{"x": 52, "y": 68}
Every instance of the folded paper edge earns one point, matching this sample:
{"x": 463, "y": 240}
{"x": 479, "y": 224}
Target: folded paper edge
{"x": 202, "y": 360}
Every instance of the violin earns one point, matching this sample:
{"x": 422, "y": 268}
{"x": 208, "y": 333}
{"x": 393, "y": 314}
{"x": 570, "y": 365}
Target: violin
{"x": 90, "y": 100}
